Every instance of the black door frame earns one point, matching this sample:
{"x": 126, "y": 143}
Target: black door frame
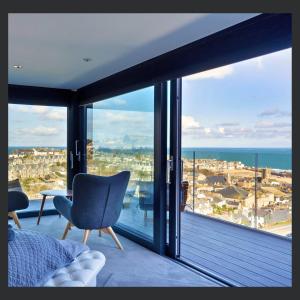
{"x": 175, "y": 191}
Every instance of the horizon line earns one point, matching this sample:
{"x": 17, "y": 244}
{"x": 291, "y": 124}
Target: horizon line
{"x": 189, "y": 147}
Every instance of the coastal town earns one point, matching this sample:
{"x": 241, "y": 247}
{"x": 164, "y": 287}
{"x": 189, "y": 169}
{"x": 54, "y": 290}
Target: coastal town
{"x": 227, "y": 190}
{"x": 38, "y": 169}
{"x": 260, "y": 198}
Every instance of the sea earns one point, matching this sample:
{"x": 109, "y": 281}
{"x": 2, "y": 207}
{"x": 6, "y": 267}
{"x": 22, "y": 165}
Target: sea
{"x": 273, "y": 158}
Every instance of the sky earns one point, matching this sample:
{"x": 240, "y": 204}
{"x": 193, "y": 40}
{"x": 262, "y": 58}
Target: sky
{"x": 37, "y": 126}
{"x": 247, "y": 104}
{"x": 125, "y": 121}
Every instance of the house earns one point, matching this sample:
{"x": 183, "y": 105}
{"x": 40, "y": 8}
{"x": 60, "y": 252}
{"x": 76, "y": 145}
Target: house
{"x": 112, "y": 92}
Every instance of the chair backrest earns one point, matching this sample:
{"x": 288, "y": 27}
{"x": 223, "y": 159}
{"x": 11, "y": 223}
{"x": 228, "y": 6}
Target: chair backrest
{"x": 97, "y": 200}
{"x": 14, "y": 185}
{"x": 17, "y": 201}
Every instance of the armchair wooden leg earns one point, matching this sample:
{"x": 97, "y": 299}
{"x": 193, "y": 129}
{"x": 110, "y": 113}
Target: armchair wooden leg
{"x": 68, "y": 227}
{"x": 14, "y": 215}
{"x": 112, "y": 233}
{"x": 86, "y": 235}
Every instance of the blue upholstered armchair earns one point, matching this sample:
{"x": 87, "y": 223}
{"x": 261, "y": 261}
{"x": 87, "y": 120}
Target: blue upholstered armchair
{"x": 145, "y": 195}
{"x": 96, "y": 204}
{"x": 17, "y": 200}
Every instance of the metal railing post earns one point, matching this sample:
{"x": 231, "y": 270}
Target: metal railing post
{"x": 194, "y": 155}
{"x": 255, "y": 192}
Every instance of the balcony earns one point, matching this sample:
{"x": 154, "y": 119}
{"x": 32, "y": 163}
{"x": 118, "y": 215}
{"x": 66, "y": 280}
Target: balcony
{"x": 236, "y": 254}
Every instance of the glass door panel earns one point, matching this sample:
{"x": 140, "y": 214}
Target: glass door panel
{"x": 236, "y": 152}
{"x": 120, "y": 136}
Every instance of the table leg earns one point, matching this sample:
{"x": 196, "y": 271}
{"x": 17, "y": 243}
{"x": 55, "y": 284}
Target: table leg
{"x": 41, "y": 210}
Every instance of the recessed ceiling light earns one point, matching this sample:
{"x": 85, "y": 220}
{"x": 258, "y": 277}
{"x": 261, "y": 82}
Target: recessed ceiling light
{"x": 86, "y": 59}
{"x": 17, "y": 66}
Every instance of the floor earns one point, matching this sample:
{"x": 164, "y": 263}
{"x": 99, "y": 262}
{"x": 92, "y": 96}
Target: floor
{"x": 135, "y": 267}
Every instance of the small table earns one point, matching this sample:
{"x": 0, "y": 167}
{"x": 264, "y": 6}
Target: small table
{"x": 52, "y": 193}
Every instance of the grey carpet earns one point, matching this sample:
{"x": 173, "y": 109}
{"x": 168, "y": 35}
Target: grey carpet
{"x": 135, "y": 266}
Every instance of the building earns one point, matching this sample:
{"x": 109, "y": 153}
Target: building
{"x": 266, "y": 173}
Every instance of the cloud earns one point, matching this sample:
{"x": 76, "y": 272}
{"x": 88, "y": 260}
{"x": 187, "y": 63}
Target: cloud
{"x": 271, "y": 133}
{"x": 44, "y": 112}
{"x": 124, "y": 116}
{"x": 228, "y": 124}
{"x": 20, "y": 108}
{"x": 38, "y": 131}
{"x": 111, "y": 128}
{"x": 274, "y": 112}
{"x": 111, "y": 102}
{"x": 56, "y": 115}
{"x": 221, "y": 130}
{"x": 274, "y": 130}
{"x": 37, "y": 109}
{"x": 217, "y": 73}
{"x": 188, "y": 123}
{"x": 258, "y": 62}
{"x": 119, "y": 101}
{"x": 207, "y": 130}
{"x": 271, "y": 124}
{"x": 40, "y": 109}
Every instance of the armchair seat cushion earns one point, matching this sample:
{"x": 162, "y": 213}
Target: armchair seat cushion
{"x": 63, "y": 205}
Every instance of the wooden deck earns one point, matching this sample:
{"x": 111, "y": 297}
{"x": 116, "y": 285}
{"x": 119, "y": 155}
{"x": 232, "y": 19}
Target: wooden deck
{"x": 241, "y": 256}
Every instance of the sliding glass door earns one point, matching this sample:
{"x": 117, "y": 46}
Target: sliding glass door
{"x": 120, "y": 136}
{"x": 231, "y": 177}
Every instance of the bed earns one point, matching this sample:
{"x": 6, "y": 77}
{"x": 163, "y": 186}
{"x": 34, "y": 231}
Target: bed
{"x": 39, "y": 260}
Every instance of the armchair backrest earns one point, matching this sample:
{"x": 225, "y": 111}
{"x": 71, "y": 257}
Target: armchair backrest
{"x": 14, "y": 185}
{"x": 97, "y": 200}
{"x": 17, "y": 201}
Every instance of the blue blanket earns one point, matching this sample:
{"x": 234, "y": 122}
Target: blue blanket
{"x": 33, "y": 257}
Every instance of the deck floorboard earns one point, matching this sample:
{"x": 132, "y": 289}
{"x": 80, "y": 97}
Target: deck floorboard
{"x": 245, "y": 257}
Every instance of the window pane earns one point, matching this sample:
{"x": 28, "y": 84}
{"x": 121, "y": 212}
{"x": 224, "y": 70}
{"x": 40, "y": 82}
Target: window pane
{"x": 120, "y": 137}
{"x": 37, "y": 149}
{"x": 237, "y": 127}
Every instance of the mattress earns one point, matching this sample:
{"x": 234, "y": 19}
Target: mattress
{"x": 82, "y": 272}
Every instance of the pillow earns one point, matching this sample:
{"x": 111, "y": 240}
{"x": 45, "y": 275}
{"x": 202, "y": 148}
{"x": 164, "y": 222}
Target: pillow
{"x": 33, "y": 258}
